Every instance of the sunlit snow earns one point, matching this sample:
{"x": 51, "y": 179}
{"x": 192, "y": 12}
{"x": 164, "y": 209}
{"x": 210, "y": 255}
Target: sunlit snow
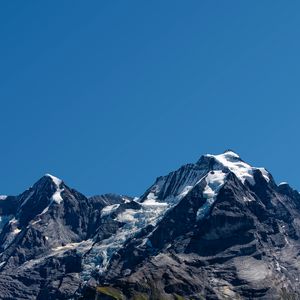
{"x": 214, "y": 181}
{"x": 242, "y": 170}
{"x": 56, "y": 180}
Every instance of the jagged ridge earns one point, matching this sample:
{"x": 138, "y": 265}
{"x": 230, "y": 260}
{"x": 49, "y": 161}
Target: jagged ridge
{"x": 196, "y": 232}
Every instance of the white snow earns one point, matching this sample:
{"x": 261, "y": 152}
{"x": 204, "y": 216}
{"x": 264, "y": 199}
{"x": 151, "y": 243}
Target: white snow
{"x": 264, "y": 173}
{"x": 126, "y": 216}
{"x": 3, "y": 197}
{"x": 153, "y": 202}
{"x": 282, "y": 183}
{"x": 185, "y": 190}
{"x": 214, "y": 181}
{"x": 16, "y": 231}
{"x": 56, "y": 180}
{"x": 107, "y": 210}
{"x": 126, "y": 200}
{"x": 96, "y": 256}
{"x": 57, "y": 196}
{"x": 242, "y": 170}
{"x": 185, "y": 179}
{"x": 178, "y": 184}
{"x": 12, "y": 234}
{"x": 43, "y": 212}
{"x": 100, "y": 254}
{"x": 151, "y": 196}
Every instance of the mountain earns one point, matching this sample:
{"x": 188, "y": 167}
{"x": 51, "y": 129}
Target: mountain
{"x": 215, "y": 229}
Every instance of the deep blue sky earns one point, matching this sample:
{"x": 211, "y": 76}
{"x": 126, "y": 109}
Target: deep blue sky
{"x": 110, "y": 94}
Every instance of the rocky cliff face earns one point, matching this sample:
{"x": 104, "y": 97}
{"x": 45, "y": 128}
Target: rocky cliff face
{"x": 216, "y": 229}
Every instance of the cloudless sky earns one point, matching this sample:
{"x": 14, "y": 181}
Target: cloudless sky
{"x": 108, "y": 95}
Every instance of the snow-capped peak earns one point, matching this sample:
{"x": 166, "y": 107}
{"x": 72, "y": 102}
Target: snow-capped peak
{"x": 3, "y": 197}
{"x": 57, "y": 195}
{"x": 236, "y": 165}
{"x": 56, "y": 180}
{"x": 230, "y": 153}
{"x": 177, "y": 184}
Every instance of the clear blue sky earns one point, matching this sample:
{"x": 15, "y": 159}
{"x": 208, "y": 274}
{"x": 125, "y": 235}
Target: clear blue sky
{"x": 110, "y": 94}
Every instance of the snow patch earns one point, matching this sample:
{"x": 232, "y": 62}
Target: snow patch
{"x": 126, "y": 200}
{"x": 242, "y": 170}
{"x": 57, "y": 196}
{"x": 56, "y": 180}
{"x": 151, "y": 196}
{"x": 127, "y": 216}
{"x": 3, "y": 197}
{"x": 185, "y": 190}
{"x": 264, "y": 173}
{"x": 107, "y": 210}
{"x": 12, "y": 234}
{"x": 152, "y": 202}
{"x": 214, "y": 181}
{"x": 16, "y": 231}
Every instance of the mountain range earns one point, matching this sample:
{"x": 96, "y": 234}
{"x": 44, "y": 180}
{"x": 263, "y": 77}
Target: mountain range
{"x": 215, "y": 229}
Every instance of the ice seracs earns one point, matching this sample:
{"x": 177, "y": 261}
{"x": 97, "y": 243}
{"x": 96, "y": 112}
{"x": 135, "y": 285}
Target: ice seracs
{"x": 134, "y": 220}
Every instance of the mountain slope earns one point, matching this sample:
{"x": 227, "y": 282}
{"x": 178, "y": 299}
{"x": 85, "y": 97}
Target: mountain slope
{"x": 233, "y": 234}
{"x": 216, "y": 229}
{"x": 42, "y": 238}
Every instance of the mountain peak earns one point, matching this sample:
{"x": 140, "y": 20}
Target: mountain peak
{"x": 219, "y": 214}
{"x": 228, "y": 155}
{"x": 232, "y": 162}
{"x": 230, "y": 151}
{"x": 56, "y": 180}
